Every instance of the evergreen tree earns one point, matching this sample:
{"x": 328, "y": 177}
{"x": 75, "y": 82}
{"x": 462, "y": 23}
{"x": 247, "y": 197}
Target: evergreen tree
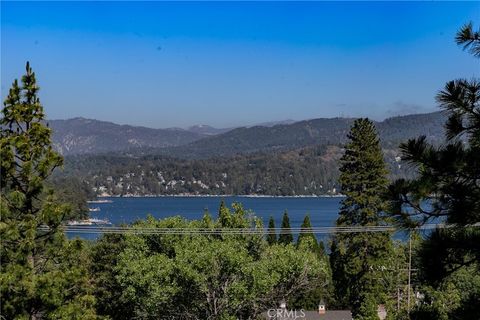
{"x": 271, "y": 236}
{"x": 306, "y": 237}
{"x": 105, "y": 254}
{"x": 224, "y": 215}
{"x": 447, "y": 183}
{"x": 286, "y": 236}
{"x": 323, "y": 290}
{"x": 359, "y": 260}
{"x": 447, "y": 187}
{"x": 42, "y": 274}
{"x": 469, "y": 39}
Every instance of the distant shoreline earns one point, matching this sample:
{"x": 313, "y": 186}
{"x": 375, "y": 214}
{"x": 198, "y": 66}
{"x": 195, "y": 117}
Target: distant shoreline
{"x": 217, "y": 196}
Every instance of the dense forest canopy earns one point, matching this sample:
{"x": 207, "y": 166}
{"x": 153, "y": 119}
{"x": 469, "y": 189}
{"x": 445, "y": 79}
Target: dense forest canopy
{"x": 305, "y": 171}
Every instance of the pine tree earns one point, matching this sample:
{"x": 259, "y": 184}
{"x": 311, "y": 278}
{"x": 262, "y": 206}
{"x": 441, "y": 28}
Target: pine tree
{"x": 42, "y": 274}
{"x": 447, "y": 186}
{"x": 322, "y": 290}
{"x": 224, "y": 216}
{"x": 469, "y": 39}
{"x": 286, "y": 236}
{"x": 271, "y": 236}
{"x": 356, "y": 258}
{"x": 450, "y": 172}
{"x": 306, "y": 238}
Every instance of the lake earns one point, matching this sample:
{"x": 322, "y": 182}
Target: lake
{"x": 323, "y": 211}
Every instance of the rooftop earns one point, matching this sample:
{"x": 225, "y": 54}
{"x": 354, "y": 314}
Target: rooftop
{"x": 309, "y": 315}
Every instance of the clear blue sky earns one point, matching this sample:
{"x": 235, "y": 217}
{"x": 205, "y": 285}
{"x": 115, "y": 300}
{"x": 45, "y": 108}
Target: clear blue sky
{"x": 225, "y": 64}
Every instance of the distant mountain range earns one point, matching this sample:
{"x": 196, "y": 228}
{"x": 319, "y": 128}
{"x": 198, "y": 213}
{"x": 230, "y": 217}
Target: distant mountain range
{"x": 210, "y": 131}
{"x": 207, "y": 130}
{"x": 300, "y": 134}
{"x": 86, "y": 136}
{"x": 299, "y": 158}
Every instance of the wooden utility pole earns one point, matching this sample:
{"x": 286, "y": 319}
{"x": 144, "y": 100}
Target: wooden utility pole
{"x": 409, "y": 269}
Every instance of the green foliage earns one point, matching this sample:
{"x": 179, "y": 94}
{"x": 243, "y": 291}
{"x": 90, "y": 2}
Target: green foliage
{"x": 457, "y": 296}
{"x": 469, "y": 39}
{"x": 361, "y": 262}
{"x": 305, "y": 171}
{"x": 306, "y": 238}
{"x": 224, "y": 216}
{"x": 89, "y": 136}
{"x": 323, "y": 290}
{"x": 271, "y": 236}
{"x": 104, "y": 256}
{"x": 397, "y": 277}
{"x": 42, "y": 274}
{"x": 200, "y": 276}
{"x": 286, "y": 236}
{"x": 363, "y": 177}
{"x": 298, "y": 172}
{"x": 75, "y": 192}
{"x": 321, "y": 248}
{"x": 447, "y": 184}
{"x": 446, "y": 188}
{"x": 447, "y": 250}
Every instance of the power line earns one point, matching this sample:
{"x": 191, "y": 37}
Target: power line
{"x": 143, "y": 230}
{"x": 236, "y": 231}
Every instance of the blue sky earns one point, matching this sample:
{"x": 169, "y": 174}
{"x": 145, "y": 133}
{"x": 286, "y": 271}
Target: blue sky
{"x": 162, "y": 64}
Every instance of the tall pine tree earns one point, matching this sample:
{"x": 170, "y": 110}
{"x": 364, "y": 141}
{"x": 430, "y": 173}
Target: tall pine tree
{"x": 286, "y": 236}
{"x": 271, "y": 236}
{"x": 359, "y": 260}
{"x": 43, "y": 275}
{"x": 447, "y": 186}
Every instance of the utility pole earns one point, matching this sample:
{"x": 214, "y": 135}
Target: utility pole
{"x": 409, "y": 269}
{"x": 398, "y": 287}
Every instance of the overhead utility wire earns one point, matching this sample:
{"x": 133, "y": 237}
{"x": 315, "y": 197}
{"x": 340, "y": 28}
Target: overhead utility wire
{"x": 237, "y": 231}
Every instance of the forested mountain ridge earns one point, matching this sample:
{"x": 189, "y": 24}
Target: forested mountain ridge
{"x": 87, "y": 136}
{"x": 395, "y": 130}
{"x": 300, "y": 134}
{"x": 260, "y": 138}
{"x": 285, "y": 160}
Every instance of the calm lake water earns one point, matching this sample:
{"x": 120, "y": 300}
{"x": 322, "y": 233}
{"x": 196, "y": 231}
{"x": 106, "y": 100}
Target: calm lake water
{"x": 323, "y": 211}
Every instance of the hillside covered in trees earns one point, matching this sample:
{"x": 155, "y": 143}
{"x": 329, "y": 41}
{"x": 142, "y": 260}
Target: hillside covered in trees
{"x": 300, "y": 134}
{"x": 282, "y": 160}
{"x": 305, "y": 171}
{"x": 87, "y": 136}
